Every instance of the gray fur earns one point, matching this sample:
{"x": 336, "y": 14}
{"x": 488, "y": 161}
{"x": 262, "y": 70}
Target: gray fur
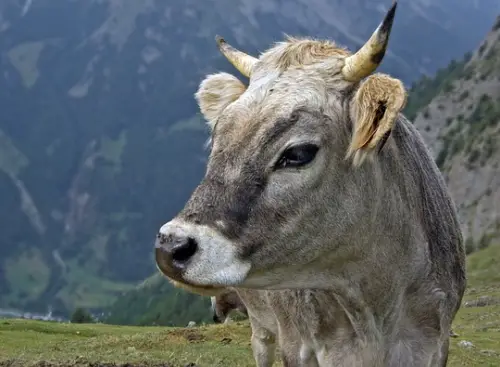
{"x": 359, "y": 255}
{"x": 268, "y": 329}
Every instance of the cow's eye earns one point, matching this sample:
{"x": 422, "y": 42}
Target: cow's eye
{"x": 296, "y": 156}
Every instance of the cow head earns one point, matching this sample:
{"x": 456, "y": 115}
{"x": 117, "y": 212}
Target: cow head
{"x": 286, "y": 187}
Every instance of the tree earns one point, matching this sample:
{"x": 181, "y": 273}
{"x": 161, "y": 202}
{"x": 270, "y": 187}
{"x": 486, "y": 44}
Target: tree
{"x": 81, "y": 316}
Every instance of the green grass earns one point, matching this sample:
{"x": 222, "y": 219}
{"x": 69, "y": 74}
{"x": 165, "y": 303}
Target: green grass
{"x": 25, "y": 343}
{"x": 84, "y": 289}
{"x": 27, "y": 275}
{"x": 24, "y": 57}
{"x": 112, "y": 150}
{"x": 479, "y": 325}
{"x": 12, "y": 160}
{"x": 28, "y": 343}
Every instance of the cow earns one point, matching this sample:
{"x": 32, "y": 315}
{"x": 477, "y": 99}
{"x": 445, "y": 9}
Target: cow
{"x": 224, "y": 303}
{"x": 321, "y": 194}
{"x": 264, "y": 326}
{"x": 261, "y": 317}
{"x": 260, "y": 309}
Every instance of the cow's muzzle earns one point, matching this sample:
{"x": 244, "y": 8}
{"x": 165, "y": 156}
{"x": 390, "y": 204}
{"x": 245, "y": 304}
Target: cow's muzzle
{"x": 173, "y": 252}
{"x": 198, "y": 256}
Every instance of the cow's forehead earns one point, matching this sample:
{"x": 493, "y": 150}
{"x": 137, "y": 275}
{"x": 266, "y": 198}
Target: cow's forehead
{"x": 293, "y": 74}
{"x": 296, "y": 52}
{"x": 268, "y": 101}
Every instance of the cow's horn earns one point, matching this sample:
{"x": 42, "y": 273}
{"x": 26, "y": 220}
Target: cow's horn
{"x": 368, "y": 57}
{"x": 240, "y": 60}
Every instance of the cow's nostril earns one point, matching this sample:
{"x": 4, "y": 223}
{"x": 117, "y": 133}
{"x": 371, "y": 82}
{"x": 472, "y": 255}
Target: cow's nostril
{"x": 182, "y": 253}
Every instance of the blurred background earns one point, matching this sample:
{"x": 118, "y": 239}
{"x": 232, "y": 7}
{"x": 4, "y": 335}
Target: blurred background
{"x": 101, "y": 141}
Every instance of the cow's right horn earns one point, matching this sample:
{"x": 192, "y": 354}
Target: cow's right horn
{"x": 240, "y": 60}
{"x": 369, "y": 57}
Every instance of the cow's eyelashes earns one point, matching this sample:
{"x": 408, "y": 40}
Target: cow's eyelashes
{"x": 297, "y": 156}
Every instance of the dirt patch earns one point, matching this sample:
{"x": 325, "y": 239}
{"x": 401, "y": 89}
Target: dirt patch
{"x": 127, "y": 365}
{"x": 92, "y": 364}
{"x": 191, "y": 336}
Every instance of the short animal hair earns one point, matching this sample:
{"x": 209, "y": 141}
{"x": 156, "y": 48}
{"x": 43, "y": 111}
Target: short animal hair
{"x": 375, "y": 108}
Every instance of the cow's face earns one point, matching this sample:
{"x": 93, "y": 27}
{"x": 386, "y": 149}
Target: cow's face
{"x": 279, "y": 198}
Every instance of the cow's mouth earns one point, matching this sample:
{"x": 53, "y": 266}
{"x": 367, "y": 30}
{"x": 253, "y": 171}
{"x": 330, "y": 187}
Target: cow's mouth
{"x": 201, "y": 290}
{"x": 205, "y": 290}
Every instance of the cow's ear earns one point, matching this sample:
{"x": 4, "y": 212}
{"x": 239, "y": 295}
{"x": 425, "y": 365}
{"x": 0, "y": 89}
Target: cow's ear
{"x": 216, "y": 92}
{"x": 374, "y": 110}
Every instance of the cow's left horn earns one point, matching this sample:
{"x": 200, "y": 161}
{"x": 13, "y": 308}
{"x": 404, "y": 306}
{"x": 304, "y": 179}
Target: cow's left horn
{"x": 240, "y": 60}
{"x": 368, "y": 57}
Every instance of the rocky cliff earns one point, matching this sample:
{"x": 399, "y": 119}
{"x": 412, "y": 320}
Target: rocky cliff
{"x": 461, "y": 125}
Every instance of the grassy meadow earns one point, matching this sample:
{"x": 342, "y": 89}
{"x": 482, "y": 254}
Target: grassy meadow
{"x": 25, "y": 343}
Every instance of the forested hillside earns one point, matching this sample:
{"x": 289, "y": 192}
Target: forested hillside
{"x": 156, "y": 302}
{"x": 100, "y": 141}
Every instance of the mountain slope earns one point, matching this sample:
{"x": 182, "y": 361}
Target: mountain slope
{"x": 100, "y": 142}
{"x": 461, "y": 125}
{"x": 156, "y": 302}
